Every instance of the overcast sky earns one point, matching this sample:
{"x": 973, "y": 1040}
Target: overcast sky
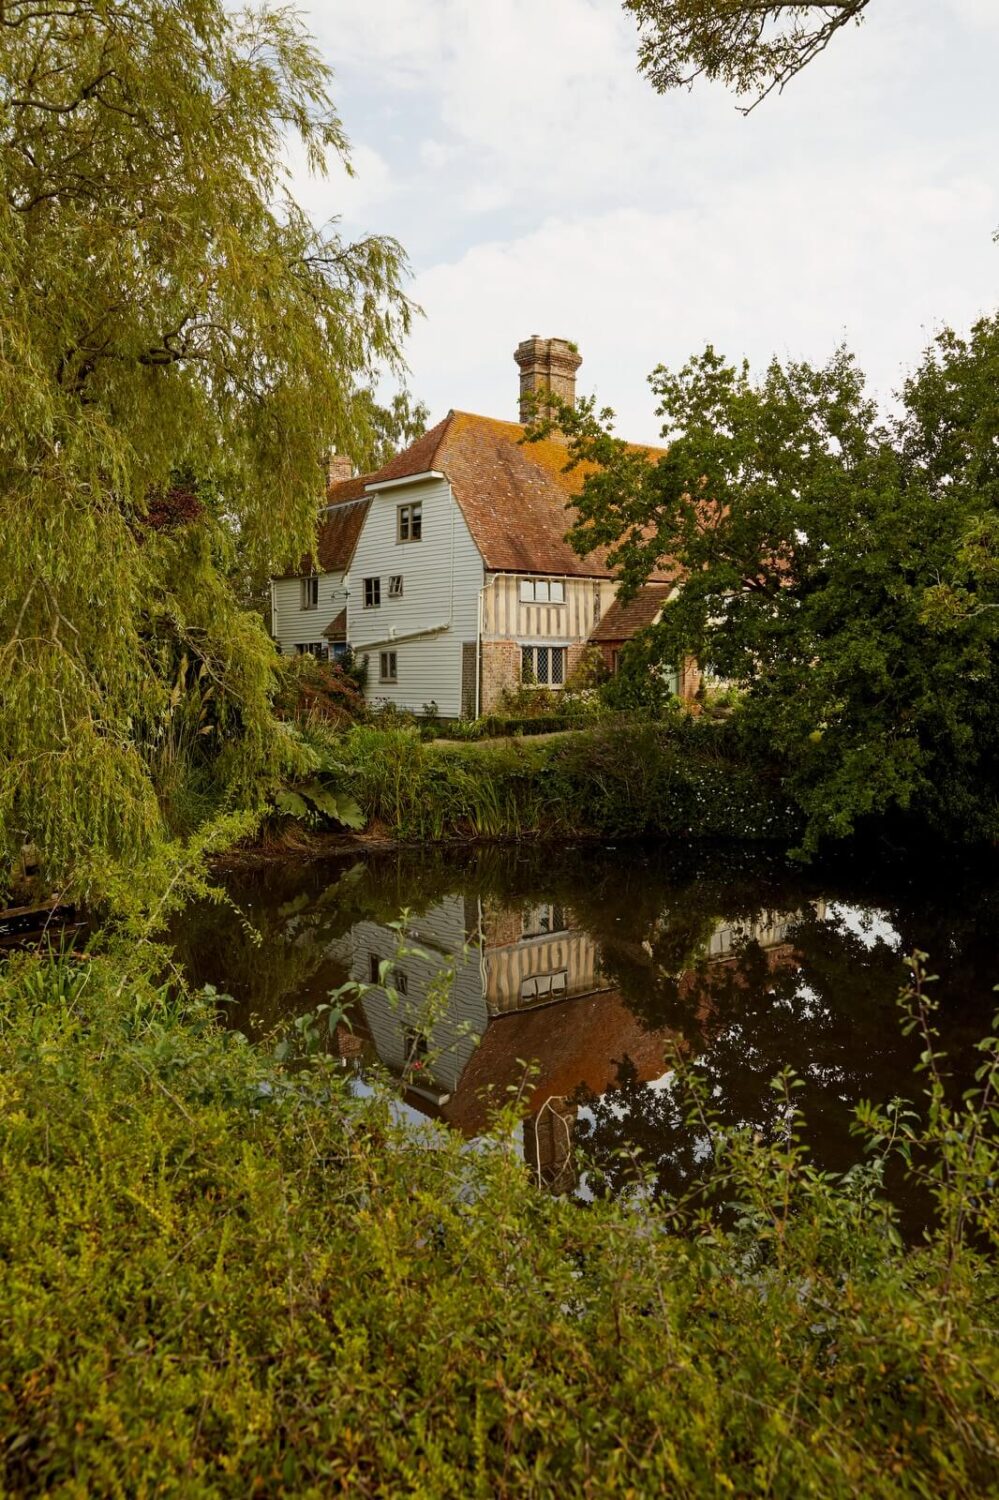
{"x": 539, "y": 185}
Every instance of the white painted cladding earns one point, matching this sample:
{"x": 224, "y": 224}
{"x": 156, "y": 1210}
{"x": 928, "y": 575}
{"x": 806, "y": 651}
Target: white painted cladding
{"x": 453, "y": 1032}
{"x": 291, "y": 625}
{"x": 442, "y": 576}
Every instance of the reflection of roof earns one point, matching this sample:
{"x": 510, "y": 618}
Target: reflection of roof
{"x": 336, "y": 630}
{"x": 577, "y": 1042}
{"x": 622, "y": 621}
{"x": 514, "y": 496}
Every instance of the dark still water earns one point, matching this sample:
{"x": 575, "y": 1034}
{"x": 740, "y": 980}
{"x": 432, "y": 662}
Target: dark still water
{"x": 587, "y": 962}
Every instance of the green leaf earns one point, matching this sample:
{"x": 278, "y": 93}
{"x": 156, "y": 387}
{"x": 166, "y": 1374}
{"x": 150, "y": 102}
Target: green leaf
{"x": 340, "y": 806}
{"x": 292, "y": 804}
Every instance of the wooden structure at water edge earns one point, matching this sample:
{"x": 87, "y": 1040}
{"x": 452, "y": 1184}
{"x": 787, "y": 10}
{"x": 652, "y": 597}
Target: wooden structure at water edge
{"x": 24, "y": 926}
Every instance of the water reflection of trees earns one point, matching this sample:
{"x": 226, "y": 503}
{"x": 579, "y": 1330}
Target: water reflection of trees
{"x": 822, "y": 999}
{"x": 826, "y": 1007}
{"x": 741, "y": 1022}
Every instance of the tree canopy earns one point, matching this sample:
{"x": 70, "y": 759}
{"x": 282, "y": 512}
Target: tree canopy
{"x": 842, "y": 567}
{"x": 753, "y": 46}
{"x": 179, "y": 346}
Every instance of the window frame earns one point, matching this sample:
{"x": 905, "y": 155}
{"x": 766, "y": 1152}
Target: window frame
{"x": 392, "y": 659}
{"x": 534, "y": 647}
{"x": 533, "y": 918}
{"x": 308, "y": 597}
{"x": 409, "y": 521}
{"x": 373, "y": 592}
{"x": 553, "y": 985}
{"x": 312, "y": 648}
{"x": 529, "y": 587}
{"x": 395, "y": 587}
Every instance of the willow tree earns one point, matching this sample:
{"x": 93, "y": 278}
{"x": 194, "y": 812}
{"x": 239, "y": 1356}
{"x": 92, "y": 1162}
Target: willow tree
{"x": 753, "y": 46}
{"x": 179, "y": 346}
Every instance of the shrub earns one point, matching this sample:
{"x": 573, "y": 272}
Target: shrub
{"x": 639, "y": 685}
{"x": 589, "y": 672}
{"x": 318, "y": 692}
{"x": 616, "y": 778}
{"x": 222, "y": 1275}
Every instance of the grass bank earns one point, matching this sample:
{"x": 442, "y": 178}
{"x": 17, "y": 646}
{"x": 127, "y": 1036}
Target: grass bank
{"x": 223, "y": 1276}
{"x": 619, "y": 778}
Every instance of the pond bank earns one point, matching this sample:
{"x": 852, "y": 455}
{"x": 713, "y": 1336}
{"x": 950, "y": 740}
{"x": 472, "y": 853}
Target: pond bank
{"x": 677, "y": 778}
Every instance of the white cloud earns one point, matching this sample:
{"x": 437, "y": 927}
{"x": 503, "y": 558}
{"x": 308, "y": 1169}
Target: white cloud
{"x": 541, "y": 186}
{"x": 978, "y": 13}
{"x": 355, "y": 197}
{"x": 768, "y": 269}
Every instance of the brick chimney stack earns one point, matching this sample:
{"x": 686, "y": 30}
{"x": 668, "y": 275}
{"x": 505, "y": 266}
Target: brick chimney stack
{"x": 338, "y": 468}
{"x": 546, "y": 365}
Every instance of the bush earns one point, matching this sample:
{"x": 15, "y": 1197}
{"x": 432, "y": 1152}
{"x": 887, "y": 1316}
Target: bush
{"x": 616, "y": 778}
{"x": 313, "y": 692}
{"x": 220, "y": 1275}
{"x": 639, "y": 685}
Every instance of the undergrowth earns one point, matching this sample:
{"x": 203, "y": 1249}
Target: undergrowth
{"x": 223, "y": 1275}
{"x": 616, "y": 778}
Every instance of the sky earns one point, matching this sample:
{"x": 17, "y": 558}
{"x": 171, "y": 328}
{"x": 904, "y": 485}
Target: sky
{"x": 540, "y": 185}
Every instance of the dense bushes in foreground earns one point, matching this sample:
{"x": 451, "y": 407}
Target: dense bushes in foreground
{"x": 219, "y": 1276}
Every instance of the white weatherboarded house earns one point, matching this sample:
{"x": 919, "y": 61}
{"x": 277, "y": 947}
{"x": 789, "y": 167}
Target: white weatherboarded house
{"x": 451, "y": 566}
{"x": 309, "y": 604}
{"x": 415, "y": 584}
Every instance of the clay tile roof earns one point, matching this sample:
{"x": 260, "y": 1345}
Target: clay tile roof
{"x": 576, "y": 1042}
{"x": 622, "y": 621}
{"x": 515, "y": 497}
{"x": 347, "y": 504}
{"x": 339, "y": 528}
{"x": 336, "y": 630}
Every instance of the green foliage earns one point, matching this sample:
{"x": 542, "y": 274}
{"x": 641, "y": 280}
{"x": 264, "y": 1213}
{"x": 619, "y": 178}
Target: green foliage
{"x": 839, "y": 567}
{"x": 390, "y": 429}
{"x": 676, "y": 778}
{"x": 178, "y": 348}
{"x": 222, "y": 1274}
{"x": 312, "y": 693}
{"x": 589, "y": 672}
{"x": 312, "y": 802}
{"x": 753, "y": 46}
{"x": 641, "y": 683}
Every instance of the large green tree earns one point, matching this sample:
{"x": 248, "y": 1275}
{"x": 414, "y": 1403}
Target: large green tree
{"x": 842, "y": 567}
{"x": 179, "y": 346}
{"x": 753, "y": 46}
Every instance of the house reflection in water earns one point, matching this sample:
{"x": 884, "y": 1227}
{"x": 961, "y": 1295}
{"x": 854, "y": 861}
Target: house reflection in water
{"x": 529, "y": 1014}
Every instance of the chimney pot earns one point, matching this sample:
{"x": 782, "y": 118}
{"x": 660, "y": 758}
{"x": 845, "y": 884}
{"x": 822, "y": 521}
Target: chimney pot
{"x": 546, "y": 365}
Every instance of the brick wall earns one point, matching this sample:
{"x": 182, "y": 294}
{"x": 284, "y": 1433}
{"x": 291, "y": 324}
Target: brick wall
{"x": 469, "y": 662}
{"x": 573, "y": 657}
{"x": 500, "y": 670}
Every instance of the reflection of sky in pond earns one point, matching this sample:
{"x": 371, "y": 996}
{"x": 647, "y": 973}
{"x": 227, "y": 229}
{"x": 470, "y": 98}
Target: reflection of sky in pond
{"x": 577, "y": 972}
{"x": 868, "y": 925}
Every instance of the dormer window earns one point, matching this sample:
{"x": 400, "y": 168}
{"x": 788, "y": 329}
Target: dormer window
{"x": 310, "y": 593}
{"x": 410, "y": 522}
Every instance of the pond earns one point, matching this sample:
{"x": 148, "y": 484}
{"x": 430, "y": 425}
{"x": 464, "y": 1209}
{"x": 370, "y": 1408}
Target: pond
{"x": 578, "y": 968}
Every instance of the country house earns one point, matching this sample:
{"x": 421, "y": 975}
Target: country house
{"x": 448, "y": 568}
